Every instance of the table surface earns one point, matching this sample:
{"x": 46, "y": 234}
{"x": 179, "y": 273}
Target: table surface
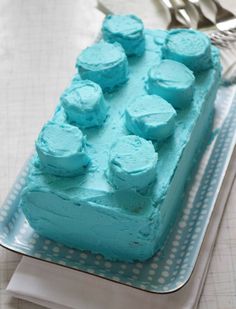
{"x": 38, "y": 48}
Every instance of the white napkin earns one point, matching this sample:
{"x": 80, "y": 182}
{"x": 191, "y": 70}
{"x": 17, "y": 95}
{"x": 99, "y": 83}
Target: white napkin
{"x": 58, "y": 287}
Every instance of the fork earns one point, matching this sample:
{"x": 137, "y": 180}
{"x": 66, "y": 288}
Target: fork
{"x": 221, "y": 29}
{"x": 223, "y": 25}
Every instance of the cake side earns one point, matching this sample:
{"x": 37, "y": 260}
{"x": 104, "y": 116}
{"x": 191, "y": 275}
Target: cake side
{"x": 86, "y": 211}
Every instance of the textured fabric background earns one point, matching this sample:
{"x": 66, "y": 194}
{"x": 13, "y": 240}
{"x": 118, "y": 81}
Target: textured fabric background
{"x": 39, "y": 41}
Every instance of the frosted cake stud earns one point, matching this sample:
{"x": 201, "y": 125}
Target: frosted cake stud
{"x": 105, "y": 64}
{"x": 84, "y": 104}
{"x": 173, "y": 81}
{"x": 126, "y": 30}
{"x": 61, "y": 149}
{"x": 132, "y": 163}
{"x": 190, "y": 47}
{"x": 150, "y": 117}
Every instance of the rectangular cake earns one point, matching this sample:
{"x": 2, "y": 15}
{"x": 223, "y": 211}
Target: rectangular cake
{"x": 111, "y": 166}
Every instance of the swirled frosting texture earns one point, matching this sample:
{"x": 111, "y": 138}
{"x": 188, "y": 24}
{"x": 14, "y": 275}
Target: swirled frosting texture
{"x": 126, "y": 30}
{"x": 132, "y": 163}
{"x": 190, "y": 47}
{"x": 173, "y": 81}
{"x": 105, "y": 64}
{"x": 151, "y": 117}
{"x": 61, "y": 149}
{"x": 84, "y": 104}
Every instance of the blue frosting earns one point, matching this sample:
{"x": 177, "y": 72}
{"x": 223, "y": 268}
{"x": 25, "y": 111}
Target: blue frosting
{"x": 132, "y": 163}
{"x": 61, "y": 149}
{"x": 105, "y": 64}
{"x": 151, "y": 117}
{"x": 89, "y": 213}
{"x": 173, "y": 81}
{"x": 84, "y": 104}
{"x": 190, "y": 47}
{"x": 126, "y": 30}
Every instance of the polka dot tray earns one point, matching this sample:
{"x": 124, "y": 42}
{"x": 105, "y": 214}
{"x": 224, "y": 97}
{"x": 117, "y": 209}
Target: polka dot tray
{"x": 172, "y": 266}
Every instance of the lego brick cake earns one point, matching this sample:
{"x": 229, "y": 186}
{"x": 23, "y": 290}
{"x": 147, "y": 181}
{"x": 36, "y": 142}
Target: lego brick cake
{"x": 112, "y": 164}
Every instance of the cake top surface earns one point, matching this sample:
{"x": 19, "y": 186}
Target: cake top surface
{"x": 109, "y": 62}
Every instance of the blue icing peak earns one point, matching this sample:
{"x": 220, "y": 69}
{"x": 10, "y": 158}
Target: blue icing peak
{"x": 127, "y": 30}
{"x": 84, "y": 104}
{"x": 132, "y": 163}
{"x": 105, "y": 64}
{"x": 61, "y": 149}
{"x": 190, "y": 47}
{"x": 151, "y": 117}
{"x": 173, "y": 81}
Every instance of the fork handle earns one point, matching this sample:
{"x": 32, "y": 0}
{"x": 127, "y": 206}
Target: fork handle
{"x": 177, "y": 4}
